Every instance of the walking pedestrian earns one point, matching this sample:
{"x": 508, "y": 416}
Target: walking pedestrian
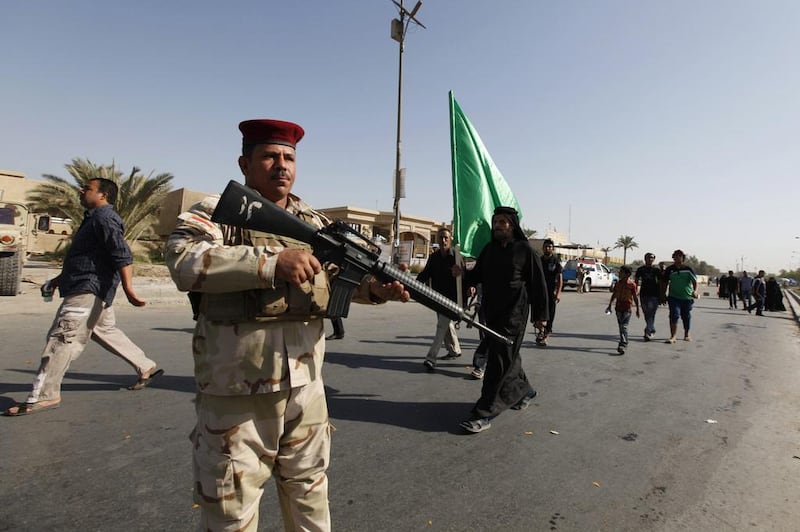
{"x": 759, "y": 291}
{"x": 98, "y": 261}
{"x": 746, "y": 290}
{"x": 679, "y": 291}
{"x": 648, "y": 277}
{"x": 730, "y": 285}
{"x": 553, "y": 277}
{"x": 439, "y": 271}
{"x": 514, "y": 289}
{"x": 625, "y": 295}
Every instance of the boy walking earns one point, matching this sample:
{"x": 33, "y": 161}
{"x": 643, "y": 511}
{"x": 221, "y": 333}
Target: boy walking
{"x": 626, "y": 296}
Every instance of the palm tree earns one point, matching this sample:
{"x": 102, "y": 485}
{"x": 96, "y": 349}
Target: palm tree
{"x": 530, "y": 233}
{"x": 605, "y": 251}
{"x": 138, "y": 201}
{"x": 625, "y": 242}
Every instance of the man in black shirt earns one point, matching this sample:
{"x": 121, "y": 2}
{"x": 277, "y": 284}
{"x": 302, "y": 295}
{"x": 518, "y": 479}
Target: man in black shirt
{"x": 648, "y": 277}
{"x": 552, "y": 269}
{"x": 439, "y": 271}
{"x": 98, "y": 259}
{"x": 731, "y": 285}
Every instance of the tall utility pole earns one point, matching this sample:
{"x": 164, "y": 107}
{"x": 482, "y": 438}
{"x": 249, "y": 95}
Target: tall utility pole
{"x": 399, "y": 28}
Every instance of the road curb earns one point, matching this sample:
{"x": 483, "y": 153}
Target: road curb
{"x": 794, "y": 303}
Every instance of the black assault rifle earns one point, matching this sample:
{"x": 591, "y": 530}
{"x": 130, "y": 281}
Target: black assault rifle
{"x": 338, "y": 244}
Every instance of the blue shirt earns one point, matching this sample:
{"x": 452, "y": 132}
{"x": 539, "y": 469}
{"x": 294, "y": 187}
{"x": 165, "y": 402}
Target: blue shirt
{"x": 97, "y": 253}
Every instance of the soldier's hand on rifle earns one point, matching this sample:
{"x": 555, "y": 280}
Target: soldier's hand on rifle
{"x": 296, "y": 266}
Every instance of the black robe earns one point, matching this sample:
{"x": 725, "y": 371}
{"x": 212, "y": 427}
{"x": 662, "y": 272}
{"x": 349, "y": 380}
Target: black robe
{"x": 774, "y": 297}
{"x": 514, "y": 289}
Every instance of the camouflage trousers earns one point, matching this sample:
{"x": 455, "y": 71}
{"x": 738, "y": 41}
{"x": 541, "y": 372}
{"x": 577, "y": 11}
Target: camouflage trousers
{"x": 81, "y": 317}
{"x": 240, "y": 441}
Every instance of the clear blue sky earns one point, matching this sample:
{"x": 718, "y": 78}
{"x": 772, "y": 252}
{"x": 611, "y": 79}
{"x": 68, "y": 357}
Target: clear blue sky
{"x": 674, "y": 122}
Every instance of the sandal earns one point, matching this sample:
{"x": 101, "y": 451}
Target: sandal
{"x": 144, "y": 382}
{"x": 23, "y": 409}
{"x": 525, "y": 402}
{"x": 476, "y": 425}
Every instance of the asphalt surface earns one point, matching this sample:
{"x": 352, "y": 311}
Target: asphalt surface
{"x": 699, "y": 435}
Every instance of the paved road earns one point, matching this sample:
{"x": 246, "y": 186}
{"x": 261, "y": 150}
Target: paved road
{"x": 633, "y": 451}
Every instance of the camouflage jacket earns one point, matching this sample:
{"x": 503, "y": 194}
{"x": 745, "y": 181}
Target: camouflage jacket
{"x": 260, "y": 349}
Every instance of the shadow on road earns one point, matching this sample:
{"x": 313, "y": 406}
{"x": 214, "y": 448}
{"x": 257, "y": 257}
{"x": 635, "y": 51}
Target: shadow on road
{"x": 420, "y": 416}
{"x": 171, "y": 329}
{"x": 100, "y": 382}
{"x": 410, "y": 364}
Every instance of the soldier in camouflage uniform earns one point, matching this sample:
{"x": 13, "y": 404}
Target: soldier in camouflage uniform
{"x": 258, "y": 348}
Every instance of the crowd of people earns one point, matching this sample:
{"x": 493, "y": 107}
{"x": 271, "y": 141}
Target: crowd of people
{"x": 753, "y": 292}
{"x": 260, "y": 300}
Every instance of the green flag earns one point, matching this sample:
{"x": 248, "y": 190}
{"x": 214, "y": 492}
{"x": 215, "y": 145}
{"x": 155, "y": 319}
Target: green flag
{"x": 478, "y": 185}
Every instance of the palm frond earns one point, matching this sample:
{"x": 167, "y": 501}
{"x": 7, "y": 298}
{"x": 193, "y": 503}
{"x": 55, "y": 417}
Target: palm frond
{"x": 138, "y": 201}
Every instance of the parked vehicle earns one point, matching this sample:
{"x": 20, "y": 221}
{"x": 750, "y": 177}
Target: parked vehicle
{"x": 14, "y": 234}
{"x": 598, "y": 275}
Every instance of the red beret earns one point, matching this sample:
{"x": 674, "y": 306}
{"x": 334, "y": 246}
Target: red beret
{"x": 264, "y": 131}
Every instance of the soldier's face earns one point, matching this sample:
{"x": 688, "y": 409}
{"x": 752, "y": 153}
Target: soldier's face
{"x": 270, "y": 169}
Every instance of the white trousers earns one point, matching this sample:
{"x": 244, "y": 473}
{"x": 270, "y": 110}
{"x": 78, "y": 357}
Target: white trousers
{"x": 445, "y": 332}
{"x": 79, "y": 318}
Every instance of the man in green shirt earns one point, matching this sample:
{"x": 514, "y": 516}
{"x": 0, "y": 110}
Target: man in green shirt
{"x": 679, "y": 292}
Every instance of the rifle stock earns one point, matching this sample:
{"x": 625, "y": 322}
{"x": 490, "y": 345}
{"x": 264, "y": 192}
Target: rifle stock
{"x": 243, "y": 207}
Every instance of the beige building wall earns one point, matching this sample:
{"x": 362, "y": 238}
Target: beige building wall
{"x": 176, "y": 202}
{"x": 13, "y": 185}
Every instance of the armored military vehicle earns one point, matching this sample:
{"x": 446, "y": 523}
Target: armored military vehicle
{"x": 15, "y": 234}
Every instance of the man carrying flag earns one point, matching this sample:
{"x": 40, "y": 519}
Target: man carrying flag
{"x": 514, "y": 289}
{"x": 486, "y": 224}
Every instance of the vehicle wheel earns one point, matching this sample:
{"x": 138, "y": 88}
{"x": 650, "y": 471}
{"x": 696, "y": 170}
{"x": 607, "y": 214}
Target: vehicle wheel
{"x": 10, "y": 274}
{"x": 587, "y": 285}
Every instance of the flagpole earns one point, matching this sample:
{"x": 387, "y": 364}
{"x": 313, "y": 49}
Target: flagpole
{"x": 453, "y": 172}
{"x": 455, "y": 233}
